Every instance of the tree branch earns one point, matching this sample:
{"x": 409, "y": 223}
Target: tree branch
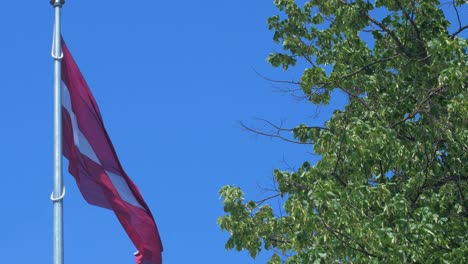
{"x": 459, "y": 31}
{"x": 337, "y": 234}
{"x": 367, "y": 66}
{"x": 276, "y": 134}
{"x": 458, "y": 15}
{"x": 387, "y": 30}
{"x": 419, "y": 107}
{"x": 276, "y": 81}
{"x": 418, "y": 35}
{"x": 338, "y": 160}
{"x": 260, "y": 202}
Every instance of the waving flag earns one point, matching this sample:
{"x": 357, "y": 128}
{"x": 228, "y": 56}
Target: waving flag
{"x": 96, "y": 168}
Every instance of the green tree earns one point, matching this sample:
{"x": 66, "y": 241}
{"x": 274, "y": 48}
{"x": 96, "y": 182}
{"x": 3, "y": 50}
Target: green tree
{"x": 391, "y": 183}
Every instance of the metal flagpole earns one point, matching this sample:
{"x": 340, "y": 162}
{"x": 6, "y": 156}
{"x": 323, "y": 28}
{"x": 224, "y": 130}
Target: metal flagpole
{"x": 59, "y": 190}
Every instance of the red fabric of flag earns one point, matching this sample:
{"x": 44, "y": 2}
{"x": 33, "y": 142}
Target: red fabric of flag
{"x": 94, "y": 164}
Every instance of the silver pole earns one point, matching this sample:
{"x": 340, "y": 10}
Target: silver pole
{"x": 58, "y": 191}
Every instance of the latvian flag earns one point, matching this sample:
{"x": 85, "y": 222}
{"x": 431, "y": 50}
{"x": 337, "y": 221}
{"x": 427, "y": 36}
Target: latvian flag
{"x": 96, "y": 168}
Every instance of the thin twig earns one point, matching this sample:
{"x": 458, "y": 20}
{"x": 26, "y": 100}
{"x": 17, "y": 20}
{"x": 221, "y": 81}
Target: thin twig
{"x": 260, "y": 202}
{"x": 387, "y": 30}
{"x": 276, "y": 81}
{"x": 273, "y": 135}
{"x": 459, "y": 31}
{"x": 458, "y": 15}
{"x": 367, "y": 66}
{"x": 338, "y": 234}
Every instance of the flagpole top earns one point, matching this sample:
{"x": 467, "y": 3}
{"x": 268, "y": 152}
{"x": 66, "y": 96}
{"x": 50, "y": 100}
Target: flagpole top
{"x": 58, "y": 3}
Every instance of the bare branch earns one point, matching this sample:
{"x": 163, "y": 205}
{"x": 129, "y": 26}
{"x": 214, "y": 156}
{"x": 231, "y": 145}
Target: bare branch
{"x": 272, "y": 135}
{"x": 459, "y": 31}
{"x": 260, "y": 202}
{"x": 276, "y": 81}
{"x": 294, "y": 92}
{"x": 278, "y": 129}
{"x": 458, "y": 15}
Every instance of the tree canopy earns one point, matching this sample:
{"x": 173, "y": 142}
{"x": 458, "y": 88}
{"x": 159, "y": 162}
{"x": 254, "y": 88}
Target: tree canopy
{"x": 391, "y": 183}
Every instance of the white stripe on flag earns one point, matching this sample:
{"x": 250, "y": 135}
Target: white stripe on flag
{"x": 78, "y": 138}
{"x": 122, "y": 188}
{"x": 85, "y": 148}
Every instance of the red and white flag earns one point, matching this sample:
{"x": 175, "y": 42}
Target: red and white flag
{"x": 94, "y": 164}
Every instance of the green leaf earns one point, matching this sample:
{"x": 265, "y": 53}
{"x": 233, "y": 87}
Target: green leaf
{"x": 388, "y": 183}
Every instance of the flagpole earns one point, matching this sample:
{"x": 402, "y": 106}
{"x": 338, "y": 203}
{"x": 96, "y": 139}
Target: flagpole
{"x": 58, "y": 190}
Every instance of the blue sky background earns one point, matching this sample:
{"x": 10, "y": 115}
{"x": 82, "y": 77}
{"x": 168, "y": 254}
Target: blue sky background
{"x": 172, "y": 80}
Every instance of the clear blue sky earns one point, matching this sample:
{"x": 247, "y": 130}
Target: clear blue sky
{"x": 172, "y": 80}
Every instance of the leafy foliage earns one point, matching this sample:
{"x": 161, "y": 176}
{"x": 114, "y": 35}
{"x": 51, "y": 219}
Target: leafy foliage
{"x": 391, "y": 184}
